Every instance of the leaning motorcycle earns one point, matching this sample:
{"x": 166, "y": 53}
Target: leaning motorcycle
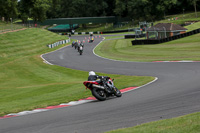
{"x": 103, "y": 88}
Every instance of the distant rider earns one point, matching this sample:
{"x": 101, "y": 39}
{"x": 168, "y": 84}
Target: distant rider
{"x": 76, "y": 44}
{"x": 80, "y": 45}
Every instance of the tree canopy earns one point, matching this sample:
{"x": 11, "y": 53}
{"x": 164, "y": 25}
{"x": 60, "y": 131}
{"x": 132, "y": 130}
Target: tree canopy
{"x": 39, "y": 10}
{"x": 8, "y": 9}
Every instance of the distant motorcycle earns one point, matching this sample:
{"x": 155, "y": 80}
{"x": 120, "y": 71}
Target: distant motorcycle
{"x": 103, "y": 88}
{"x": 76, "y": 45}
{"x": 92, "y": 40}
{"x": 81, "y": 50}
{"x": 73, "y": 44}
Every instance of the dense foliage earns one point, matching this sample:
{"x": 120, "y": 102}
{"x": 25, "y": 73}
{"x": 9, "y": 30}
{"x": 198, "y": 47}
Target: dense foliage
{"x": 39, "y": 10}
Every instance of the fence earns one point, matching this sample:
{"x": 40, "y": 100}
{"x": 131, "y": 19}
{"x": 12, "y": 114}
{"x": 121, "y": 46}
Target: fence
{"x": 140, "y": 42}
{"x": 58, "y": 43}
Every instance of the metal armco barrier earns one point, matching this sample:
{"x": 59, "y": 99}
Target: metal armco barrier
{"x": 58, "y": 43}
{"x": 146, "y": 42}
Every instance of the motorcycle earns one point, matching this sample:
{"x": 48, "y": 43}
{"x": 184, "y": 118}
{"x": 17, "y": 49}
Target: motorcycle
{"x": 81, "y": 50}
{"x": 76, "y": 45}
{"x": 91, "y": 41}
{"x": 73, "y": 44}
{"x": 103, "y": 88}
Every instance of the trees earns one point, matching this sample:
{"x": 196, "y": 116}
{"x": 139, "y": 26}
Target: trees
{"x": 164, "y": 5}
{"x": 97, "y": 8}
{"x": 54, "y": 9}
{"x": 110, "y": 7}
{"x": 8, "y": 9}
{"x": 143, "y": 9}
{"x": 148, "y": 10}
{"x": 121, "y": 7}
{"x": 194, "y": 3}
{"x": 83, "y": 8}
{"x": 35, "y": 9}
{"x": 24, "y": 7}
{"x": 39, "y": 9}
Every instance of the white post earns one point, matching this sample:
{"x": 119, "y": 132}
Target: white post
{"x": 165, "y": 32}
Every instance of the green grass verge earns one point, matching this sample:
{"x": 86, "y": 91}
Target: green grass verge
{"x": 27, "y": 83}
{"x": 122, "y": 49}
{"x": 183, "y": 49}
{"x": 114, "y": 37}
{"x": 193, "y": 26}
{"x": 184, "y": 124}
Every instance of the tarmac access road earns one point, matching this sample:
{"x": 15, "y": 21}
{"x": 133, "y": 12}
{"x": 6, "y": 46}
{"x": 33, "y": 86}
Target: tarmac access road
{"x": 175, "y": 93}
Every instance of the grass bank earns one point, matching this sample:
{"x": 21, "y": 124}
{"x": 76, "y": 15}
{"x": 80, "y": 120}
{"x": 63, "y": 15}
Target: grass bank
{"x": 184, "y": 124}
{"x": 182, "y": 18}
{"x": 122, "y": 49}
{"x": 193, "y": 26}
{"x": 27, "y": 83}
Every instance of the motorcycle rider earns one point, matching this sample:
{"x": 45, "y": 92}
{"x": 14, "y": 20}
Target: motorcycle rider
{"x": 81, "y": 44}
{"x": 75, "y": 44}
{"x": 94, "y": 77}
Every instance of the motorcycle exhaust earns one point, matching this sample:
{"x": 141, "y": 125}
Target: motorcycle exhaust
{"x": 97, "y": 86}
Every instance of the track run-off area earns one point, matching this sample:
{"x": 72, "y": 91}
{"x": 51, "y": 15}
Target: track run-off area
{"x": 176, "y": 92}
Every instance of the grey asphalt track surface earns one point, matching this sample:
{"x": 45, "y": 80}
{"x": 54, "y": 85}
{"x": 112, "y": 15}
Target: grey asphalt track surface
{"x": 175, "y": 93}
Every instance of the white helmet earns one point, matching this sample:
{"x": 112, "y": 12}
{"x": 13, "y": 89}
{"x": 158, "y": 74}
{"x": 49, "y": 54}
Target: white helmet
{"x": 92, "y": 73}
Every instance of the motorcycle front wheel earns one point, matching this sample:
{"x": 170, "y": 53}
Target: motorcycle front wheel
{"x": 99, "y": 94}
{"x": 117, "y": 92}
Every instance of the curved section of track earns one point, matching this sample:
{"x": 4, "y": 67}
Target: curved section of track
{"x": 175, "y": 93}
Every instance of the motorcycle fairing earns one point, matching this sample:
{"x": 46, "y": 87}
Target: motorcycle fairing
{"x": 89, "y": 83}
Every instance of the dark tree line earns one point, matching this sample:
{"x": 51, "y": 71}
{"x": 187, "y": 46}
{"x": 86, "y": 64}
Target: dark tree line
{"x": 39, "y": 10}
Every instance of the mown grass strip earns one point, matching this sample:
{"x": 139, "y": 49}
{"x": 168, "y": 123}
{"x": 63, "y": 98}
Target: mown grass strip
{"x": 184, "y": 124}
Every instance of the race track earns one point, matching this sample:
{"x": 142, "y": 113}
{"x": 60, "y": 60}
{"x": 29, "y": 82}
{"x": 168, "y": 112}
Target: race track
{"x": 175, "y": 93}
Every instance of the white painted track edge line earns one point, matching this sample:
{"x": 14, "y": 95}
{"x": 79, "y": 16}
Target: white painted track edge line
{"x": 142, "y": 85}
{"x": 45, "y": 61}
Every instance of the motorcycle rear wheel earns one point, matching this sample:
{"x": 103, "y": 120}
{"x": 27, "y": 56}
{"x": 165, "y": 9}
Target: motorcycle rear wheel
{"x": 99, "y": 94}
